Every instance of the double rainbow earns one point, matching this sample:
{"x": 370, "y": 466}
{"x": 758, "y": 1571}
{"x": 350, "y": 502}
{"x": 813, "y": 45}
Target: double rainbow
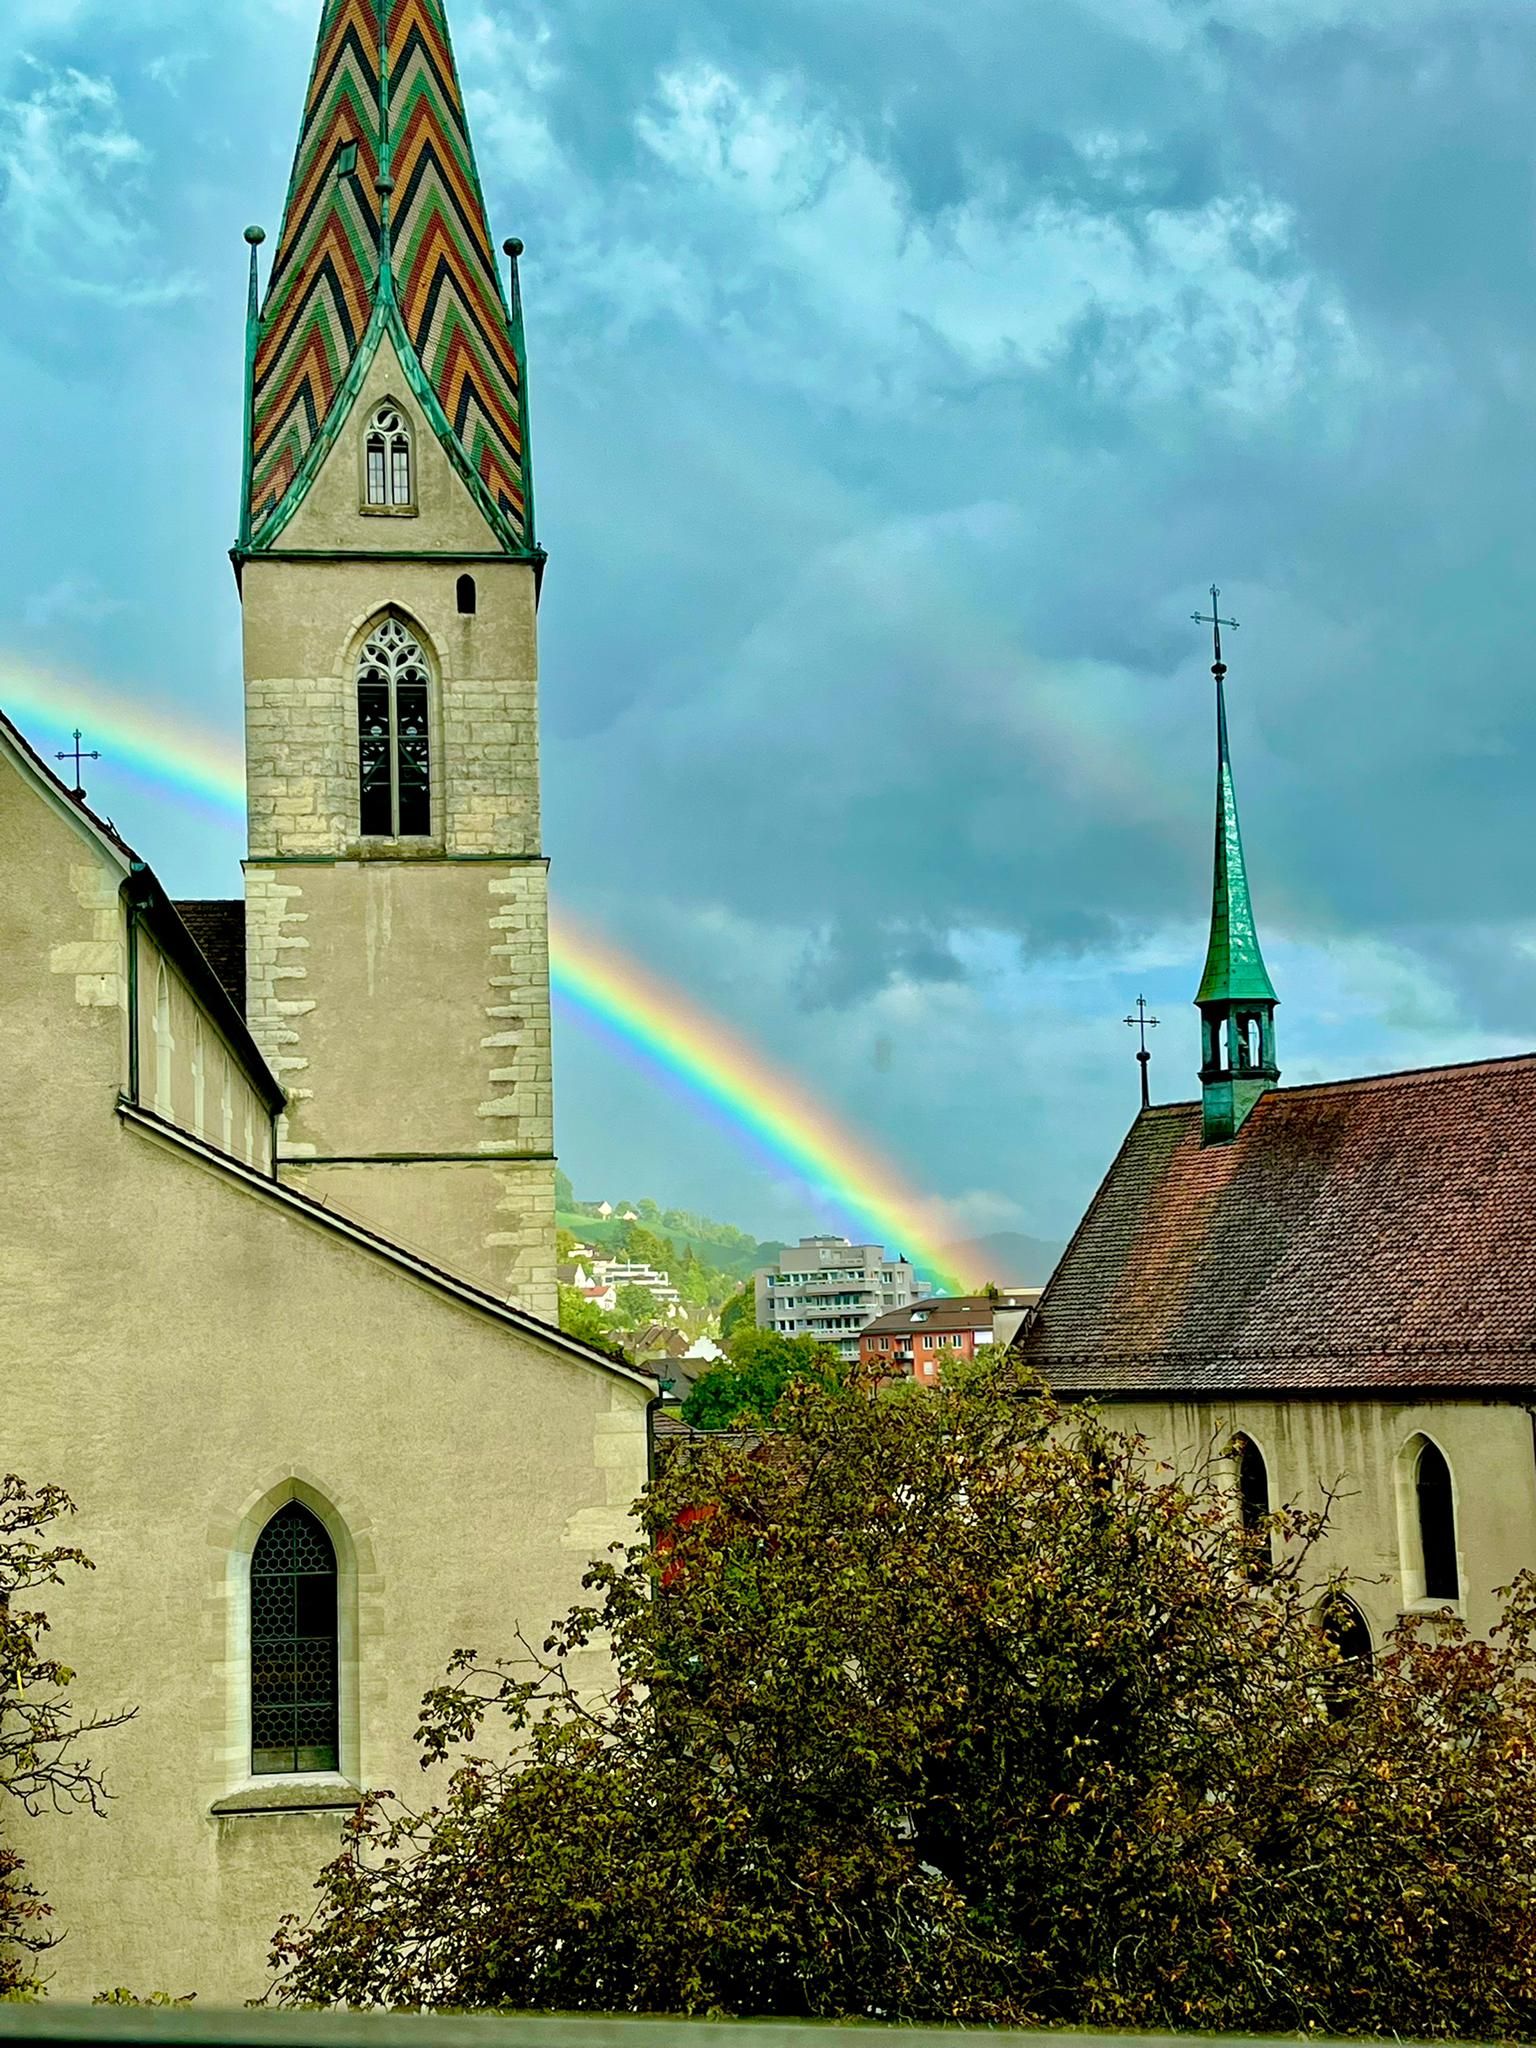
{"x": 608, "y": 993}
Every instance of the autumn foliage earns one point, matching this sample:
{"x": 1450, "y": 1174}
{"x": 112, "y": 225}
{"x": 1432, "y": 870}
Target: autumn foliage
{"x": 42, "y": 1766}
{"x": 959, "y": 1708}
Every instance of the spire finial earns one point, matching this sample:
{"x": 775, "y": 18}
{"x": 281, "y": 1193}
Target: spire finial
{"x": 254, "y": 237}
{"x": 1215, "y": 621}
{"x": 1143, "y": 1024}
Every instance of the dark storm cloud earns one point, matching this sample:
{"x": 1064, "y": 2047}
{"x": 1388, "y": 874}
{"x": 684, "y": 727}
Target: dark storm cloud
{"x": 901, "y": 374}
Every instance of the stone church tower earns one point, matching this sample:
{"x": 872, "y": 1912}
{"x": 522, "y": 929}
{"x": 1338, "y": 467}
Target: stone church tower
{"x": 397, "y": 960}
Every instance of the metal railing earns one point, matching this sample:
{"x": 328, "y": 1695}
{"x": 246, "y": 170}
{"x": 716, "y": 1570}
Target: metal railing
{"x": 47, "y": 2022}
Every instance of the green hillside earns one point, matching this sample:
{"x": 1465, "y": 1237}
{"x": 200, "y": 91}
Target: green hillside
{"x": 610, "y": 1234}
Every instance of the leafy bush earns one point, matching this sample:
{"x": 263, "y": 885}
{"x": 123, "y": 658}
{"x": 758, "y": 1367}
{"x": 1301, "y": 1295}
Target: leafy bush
{"x": 960, "y": 1709}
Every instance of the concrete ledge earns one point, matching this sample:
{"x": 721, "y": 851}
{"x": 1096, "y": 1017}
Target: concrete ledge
{"x": 291, "y": 1795}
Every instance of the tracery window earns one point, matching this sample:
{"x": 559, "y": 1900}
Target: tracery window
{"x": 1437, "y": 1524}
{"x": 294, "y": 1717}
{"x": 388, "y": 457}
{"x": 394, "y": 761}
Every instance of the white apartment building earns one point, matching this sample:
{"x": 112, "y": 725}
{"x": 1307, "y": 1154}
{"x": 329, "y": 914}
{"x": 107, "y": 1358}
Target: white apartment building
{"x": 826, "y": 1287}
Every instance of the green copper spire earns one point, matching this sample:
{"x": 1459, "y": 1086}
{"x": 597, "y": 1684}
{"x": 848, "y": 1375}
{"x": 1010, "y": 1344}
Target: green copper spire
{"x": 1236, "y": 997}
{"x": 1234, "y": 965}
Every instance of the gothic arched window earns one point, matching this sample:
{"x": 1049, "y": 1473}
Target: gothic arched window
{"x": 1437, "y": 1524}
{"x": 1253, "y": 1499}
{"x": 393, "y": 749}
{"x": 388, "y": 457}
{"x": 294, "y": 1718}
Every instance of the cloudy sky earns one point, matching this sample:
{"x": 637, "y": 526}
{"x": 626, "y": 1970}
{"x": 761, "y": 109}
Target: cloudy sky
{"x": 902, "y": 373}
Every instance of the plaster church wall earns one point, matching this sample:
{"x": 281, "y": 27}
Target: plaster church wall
{"x": 1362, "y": 1451}
{"x": 184, "y": 1346}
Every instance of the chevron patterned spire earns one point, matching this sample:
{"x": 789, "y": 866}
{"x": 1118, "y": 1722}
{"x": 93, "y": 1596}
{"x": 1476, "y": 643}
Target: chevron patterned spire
{"x": 385, "y": 227}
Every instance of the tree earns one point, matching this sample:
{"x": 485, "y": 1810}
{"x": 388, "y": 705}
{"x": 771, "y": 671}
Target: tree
{"x": 634, "y": 1306}
{"x": 741, "y": 1308}
{"x": 41, "y": 1762}
{"x": 565, "y": 1244}
{"x": 583, "y": 1319}
{"x": 750, "y": 1381}
{"x": 565, "y": 1194}
{"x": 960, "y": 1709}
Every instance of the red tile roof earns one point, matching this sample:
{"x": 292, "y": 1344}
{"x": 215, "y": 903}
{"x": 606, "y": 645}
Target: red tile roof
{"x": 949, "y": 1312}
{"x": 1375, "y": 1234}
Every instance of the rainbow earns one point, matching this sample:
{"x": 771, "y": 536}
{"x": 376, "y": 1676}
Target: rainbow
{"x": 621, "y": 1003}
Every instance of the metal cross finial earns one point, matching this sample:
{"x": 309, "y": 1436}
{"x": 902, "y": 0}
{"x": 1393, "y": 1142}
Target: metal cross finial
{"x": 1215, "y": 621}
{"x": 1143, "y": 1024}
{"x": 77, "y": 755}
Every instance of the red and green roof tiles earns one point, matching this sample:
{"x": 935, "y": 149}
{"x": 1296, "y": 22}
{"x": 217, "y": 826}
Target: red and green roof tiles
{"x": 386, "y": 224}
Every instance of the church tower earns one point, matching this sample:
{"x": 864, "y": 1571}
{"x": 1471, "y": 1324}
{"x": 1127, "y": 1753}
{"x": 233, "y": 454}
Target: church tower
{"x": 1236, "y": 998}
{"x": 397, "y": 952}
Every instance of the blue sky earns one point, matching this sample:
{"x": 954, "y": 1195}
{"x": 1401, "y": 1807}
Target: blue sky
{"x": 901, "y": 375}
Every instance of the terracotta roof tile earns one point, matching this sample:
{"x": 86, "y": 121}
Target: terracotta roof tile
{"x": 1375, "y": 1233}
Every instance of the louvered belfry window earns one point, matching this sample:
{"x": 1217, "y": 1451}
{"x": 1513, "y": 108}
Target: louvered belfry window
{"x": 394, "y": 760}
{"x": 293, "y": 1646}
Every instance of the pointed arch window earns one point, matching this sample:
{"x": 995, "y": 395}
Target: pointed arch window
{"x": 294, "y": 1690}
{"x": 1437, "y": 1524}
{"x": 394, "y": 759}
{"x": 387, "y": 458}
{"x": 1253, "y": 1500}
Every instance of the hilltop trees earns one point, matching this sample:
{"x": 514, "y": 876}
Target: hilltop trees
{"x": 41, "y": 1764}
{"x": 748, "y": 1384}
{"x": 959, "y": 1709}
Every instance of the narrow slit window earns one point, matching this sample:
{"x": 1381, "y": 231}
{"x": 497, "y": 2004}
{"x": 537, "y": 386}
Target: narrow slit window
{"x": 1437, "y": 1525}
{"x": 388, "y": 458}
{"x": 393, "y": 736}
{"x": 466, "y": 595}
{"x": 294, "y": 1690}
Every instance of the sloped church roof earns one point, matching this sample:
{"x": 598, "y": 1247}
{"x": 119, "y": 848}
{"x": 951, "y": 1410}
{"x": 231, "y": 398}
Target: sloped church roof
{"x": 385, "y": 228}
{"x": 1371, "y": 1234}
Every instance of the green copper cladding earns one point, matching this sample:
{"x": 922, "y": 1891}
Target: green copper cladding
{"x": 1234, "y": 964}
{"x": 1236, "y": 998}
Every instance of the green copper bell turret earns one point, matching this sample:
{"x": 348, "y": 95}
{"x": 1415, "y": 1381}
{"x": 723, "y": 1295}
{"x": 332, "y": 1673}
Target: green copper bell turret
{"x": 1236, "y": 997}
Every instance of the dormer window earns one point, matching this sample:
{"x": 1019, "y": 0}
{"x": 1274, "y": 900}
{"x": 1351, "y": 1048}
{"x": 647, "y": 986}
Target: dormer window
{"x": 389, "y": 483}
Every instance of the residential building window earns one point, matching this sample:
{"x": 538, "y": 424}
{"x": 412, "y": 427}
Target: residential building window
{"x": 294, "y": 1699}
{"x": 393, "y": 745}
{"x": 1437, "y": 1524}
{"x": 388, "y": 458}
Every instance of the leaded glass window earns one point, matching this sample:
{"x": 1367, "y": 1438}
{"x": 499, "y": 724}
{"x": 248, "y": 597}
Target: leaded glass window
{"x": 293, "y": 1646}
{"x": 394, "y": 748}
{"x": 388, "y": 457}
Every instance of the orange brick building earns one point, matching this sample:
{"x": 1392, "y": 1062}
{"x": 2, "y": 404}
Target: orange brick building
{"x": 919, "y": 1340}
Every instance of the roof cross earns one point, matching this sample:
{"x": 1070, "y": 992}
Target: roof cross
{"x": 1215, "y": 621}
{"x": 77, "y": 755}
{"x": 1143, "y": 1024}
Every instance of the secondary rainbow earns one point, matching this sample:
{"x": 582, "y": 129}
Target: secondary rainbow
{"x": 642, "y": 1017}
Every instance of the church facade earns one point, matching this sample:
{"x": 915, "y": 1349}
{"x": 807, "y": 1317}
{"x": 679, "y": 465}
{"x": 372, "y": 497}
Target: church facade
{"x": 1331, "y": 1289}
{"x": 278, "y": 1302}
